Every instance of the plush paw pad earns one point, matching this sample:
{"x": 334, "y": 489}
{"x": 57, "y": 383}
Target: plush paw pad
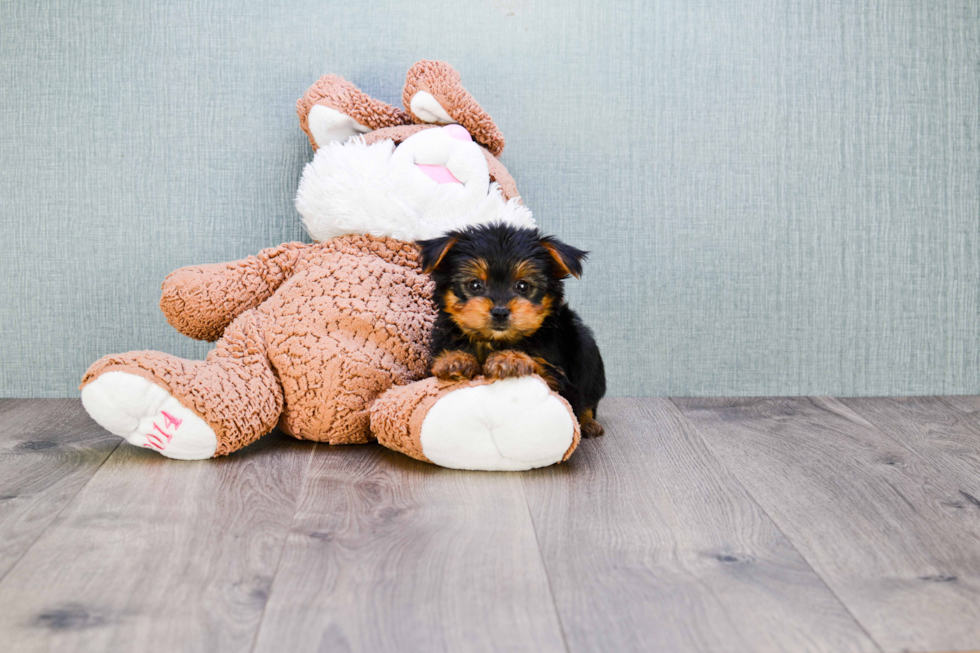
{"x": 508, "y": 425}
{"x": 147, "y": 416}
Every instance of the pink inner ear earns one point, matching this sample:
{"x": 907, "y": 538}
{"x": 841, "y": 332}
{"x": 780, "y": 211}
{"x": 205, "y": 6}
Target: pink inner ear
{"x": 438, "y": 174}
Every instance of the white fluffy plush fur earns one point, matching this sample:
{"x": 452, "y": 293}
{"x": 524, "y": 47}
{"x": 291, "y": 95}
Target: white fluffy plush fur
{"x": 355, "y": 188}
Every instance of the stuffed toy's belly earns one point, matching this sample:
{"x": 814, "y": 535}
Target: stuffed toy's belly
{"x": 352, "y": 322}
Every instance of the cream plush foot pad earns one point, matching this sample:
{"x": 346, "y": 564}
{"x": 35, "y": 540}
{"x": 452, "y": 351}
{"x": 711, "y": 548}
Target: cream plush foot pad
{"x": 146, "y": 415}
{"x": 509, "y": 425}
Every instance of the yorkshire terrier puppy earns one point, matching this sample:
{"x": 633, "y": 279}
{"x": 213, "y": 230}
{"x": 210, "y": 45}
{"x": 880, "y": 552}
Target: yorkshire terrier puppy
{"x": 502, "y": 311}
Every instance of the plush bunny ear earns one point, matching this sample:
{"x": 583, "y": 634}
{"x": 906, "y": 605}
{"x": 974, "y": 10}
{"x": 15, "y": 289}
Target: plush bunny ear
{"x": 434, "y": 94}
{"x": 333, "y": 109}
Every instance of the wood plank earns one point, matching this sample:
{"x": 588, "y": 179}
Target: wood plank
{"x": 390, "y": 554}
{"x": 49, "y": 449}
{"x": 158, "y": 555}
{"x": 965, "y": 403}
{"x": 936, "y": 431}
{"x": 877, "y": 521}
{"x": 968, "y": 405}
{"x": 652, "y": 545}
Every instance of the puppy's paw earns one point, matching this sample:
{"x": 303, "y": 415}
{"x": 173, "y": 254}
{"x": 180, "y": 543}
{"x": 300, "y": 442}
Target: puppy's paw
{"x": 590, "y": 427}
{"x": 508, "y": 364}
{"x": 455, "y": 366}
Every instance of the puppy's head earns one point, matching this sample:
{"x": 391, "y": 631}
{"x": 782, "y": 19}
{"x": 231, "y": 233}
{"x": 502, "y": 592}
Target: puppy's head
{"x": 499, "y": 282}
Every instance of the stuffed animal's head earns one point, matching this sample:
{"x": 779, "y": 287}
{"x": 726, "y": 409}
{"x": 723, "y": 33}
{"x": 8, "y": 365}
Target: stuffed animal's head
{"x": 411, "y": 174}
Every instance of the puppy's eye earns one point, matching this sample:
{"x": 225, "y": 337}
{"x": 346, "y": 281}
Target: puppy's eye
{"x": 522, "y": 287}
{"x": 475, "y": 285}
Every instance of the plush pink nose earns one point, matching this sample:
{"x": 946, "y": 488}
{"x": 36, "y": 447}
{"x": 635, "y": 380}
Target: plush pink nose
{"x": 458, "y": 132}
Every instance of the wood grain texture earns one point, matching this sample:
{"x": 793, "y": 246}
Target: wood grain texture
{"x": 939, "y": 433}
{"x": 158, "y": 555}
{"x": 48, "y": 451}
{"x": 652, "y": 545}
{"x": 968, "y": 405}
{"x": 884, "y": 526}
{"x": 390, "y": 554}
{"x": 730, "y": 524}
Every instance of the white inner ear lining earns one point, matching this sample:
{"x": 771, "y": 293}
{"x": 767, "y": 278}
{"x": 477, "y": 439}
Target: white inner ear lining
{"x": 328, "y": 125}
{"x": 426, "y": 108}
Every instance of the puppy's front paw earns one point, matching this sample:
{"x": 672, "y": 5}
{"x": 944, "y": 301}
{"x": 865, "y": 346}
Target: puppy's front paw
{"x": 455, "y": 366}
{"x": 507, "y": 364}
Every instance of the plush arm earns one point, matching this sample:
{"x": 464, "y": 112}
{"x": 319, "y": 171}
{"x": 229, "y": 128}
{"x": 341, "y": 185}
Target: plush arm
{"x": 201, "y": 300}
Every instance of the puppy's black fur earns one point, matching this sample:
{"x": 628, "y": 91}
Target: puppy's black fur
{"x": 502, "y": 311}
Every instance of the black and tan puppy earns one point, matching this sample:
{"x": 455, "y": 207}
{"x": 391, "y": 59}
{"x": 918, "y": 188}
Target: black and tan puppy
{"x": 502, "y": 311}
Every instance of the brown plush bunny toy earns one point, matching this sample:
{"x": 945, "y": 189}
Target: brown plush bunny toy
{"x": 328, "y": 341}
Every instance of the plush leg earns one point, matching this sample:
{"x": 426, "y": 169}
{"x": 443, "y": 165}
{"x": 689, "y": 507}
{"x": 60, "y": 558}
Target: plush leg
{"x": 509, "y": 425}
{"x": 189, "y": 409}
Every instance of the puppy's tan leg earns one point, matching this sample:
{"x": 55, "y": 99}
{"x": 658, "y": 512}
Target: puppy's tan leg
{"x": 455, "y": 366}
{"x": 590, "y": 427}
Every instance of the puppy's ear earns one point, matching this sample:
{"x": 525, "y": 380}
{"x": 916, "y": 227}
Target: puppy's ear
{"x": 434, "y": 250}
{"x": 567, "y": 259}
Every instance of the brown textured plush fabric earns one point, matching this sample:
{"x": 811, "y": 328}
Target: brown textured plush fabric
{"x": 201, "y": 301}
{"x": 397, "y": 415}
{"x": 443, "y": 82}
{"x": 341, "y": 322}
{"x": 435, "y": 77}
{"x": 396, "y": 134}
{"x": 337, "y": 93}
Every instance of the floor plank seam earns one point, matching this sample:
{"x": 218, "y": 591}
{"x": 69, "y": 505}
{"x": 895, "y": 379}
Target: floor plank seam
{"x": 779, "y": 528}
{"x": 63, "y": 509}
{"x": 544, "y": 566}
{"x": 282, "y": 549}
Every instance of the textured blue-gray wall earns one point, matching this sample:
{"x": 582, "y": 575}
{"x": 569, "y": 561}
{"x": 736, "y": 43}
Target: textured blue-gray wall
{"x": 781, "y": 197}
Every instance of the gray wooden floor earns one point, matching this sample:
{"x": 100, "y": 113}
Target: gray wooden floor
{"x": 805, "y": 524}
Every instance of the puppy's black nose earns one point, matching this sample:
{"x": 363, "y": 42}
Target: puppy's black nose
{"x": 500, "y": 313}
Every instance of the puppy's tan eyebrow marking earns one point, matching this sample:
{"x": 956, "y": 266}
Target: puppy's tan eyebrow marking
{"x": 526, "y": 269}
{"x": 476, "y": 268}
